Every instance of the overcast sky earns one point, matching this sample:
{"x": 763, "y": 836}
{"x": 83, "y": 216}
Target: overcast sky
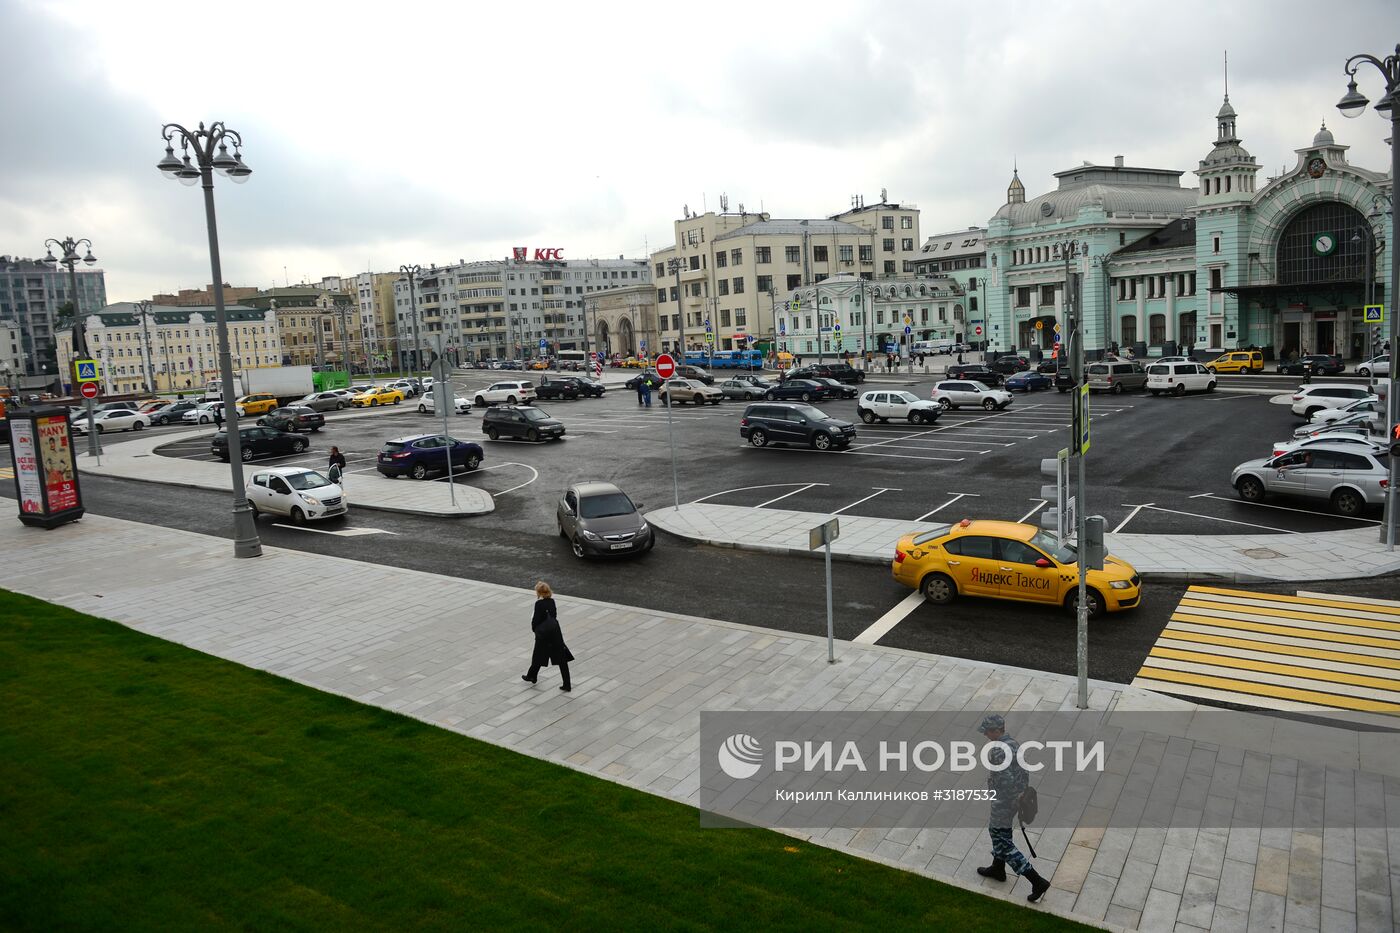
{"x": 431, "y": 132}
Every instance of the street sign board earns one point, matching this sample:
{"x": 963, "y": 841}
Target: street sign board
{"x": 1039, "y": 325}
{"x": 665, "y": 366}
{"x": 977, "y": 330}
{"x": 908, "y": 330}
{"x": 89, "y": 390}
{"x": 1082, "y": 436}
{"x": 544, "y": 344}
{"x": 825, "y": 533}
{"x": 86, "y": 370}
{"x": 1373, "y": 314}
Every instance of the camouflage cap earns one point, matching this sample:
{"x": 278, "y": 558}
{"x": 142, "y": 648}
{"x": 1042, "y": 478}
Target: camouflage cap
{"x": 991, "y": 721}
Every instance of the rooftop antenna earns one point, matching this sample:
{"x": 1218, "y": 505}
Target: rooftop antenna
{"x": 724, "y": 204}
{"x": 1227, "y": 74}
{"x": 884, "y": 195}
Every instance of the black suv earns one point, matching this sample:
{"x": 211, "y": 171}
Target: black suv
{"x": 557, "y": 388}
{"x": 696, "y": 373}
{"x": 1064, "y": 379}
{"x": 977, "y": 372}
{"x": 524, "y": 421}
{"x": 587, "y": 388}
{"x": 1322, "y": 364}
{"x": 1009, "y": 365}
{"x": 294, "y": 418}
{"x": 776, "y": 423}
{"x": 636, "y": 380}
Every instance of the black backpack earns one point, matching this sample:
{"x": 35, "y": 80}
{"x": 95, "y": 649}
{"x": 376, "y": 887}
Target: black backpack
{"x": 1027, "y": 808}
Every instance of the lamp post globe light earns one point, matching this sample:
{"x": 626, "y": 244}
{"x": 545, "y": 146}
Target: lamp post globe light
{"x": 69, "y": 248}
{"x": 1351, "y": 105}
{"x": 210, "y": 149}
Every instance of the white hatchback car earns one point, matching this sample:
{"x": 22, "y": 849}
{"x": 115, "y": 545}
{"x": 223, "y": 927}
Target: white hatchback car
{"x": 511, "y": 392}
{"x": 968, "y": 393}
{"x": 1375, "y": 366}
{"x": 1179, "y": 377}
{"x": 883, "y": 405}
{"x": 298, "y": 493}
{"x": 203, "y": 413}
{"x": 1311, "y": 399}
{"x": 460, "y": 405}
{"x": 113, "y": 419}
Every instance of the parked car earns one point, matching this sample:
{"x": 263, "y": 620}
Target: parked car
{"x": 679, "y": 391}
{"x": 171, "y": 412}
{"x": 804, "y": 389}
{"x": 1348, "y": 480}
{"x": 1027, "y": 381}
{"x": 845, "y": 373}
{"x": 420, "y": 455}
{"x": 884, "y": 404}
{"x": 1313, "y": 398}
{"x": 587, "y": 387}
{"x": 1048, "y": 365}
{"x": 695, "y": 372}
{"x": 1238, "y": 361}
{"x": 1375, "y": 366}
{"x": 325, "y": 401}
{"x": 1009, "y": 560}
{"x": 1064, "y": 379}
{"x": 511, "y": 392}
{"x": 1345, "y": 439}
{"x": 380, "y": 395}
{"x": 600, "y": 520}
{"x": 1179, "y": 378}
{"x": 525, "y": 422}
{"x": 1354, "y": 422}
{"x": 410, "y": 387}
{"x": 427, "y": 405}
{"x": 293, "y": 418}
{"x": 1006, "y": 365}
{"x": 259, "y": 403}
{"x": 969, "y": 393}
{"x": 635, "y": 381}
{"x": 112, "y": 419}
{"x": 298, "y": 493}
{"x": 203, "y": 413}
{"x": 1115, "y": 377}
{"x": 837, "y": 388}
{"x": 988, "y": 377}
{"x": 1322, "y": 365}
{"x": 556, "y": 388}
{"x": 768, "y": 423}
{"x": 743, "y": 388}
{"x": 257, "y": 442}
{"x": 1364, "y": 409}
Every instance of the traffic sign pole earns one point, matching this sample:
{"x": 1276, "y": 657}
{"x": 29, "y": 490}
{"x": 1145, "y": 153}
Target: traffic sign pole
{"x": 666, "y": 368}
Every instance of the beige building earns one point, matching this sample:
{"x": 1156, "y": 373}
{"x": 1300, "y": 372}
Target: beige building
{"x": 735, "y": 268}
{"x": 204, "y": 298}
{"x": 623, "y": 321}
{"x": 317, "y": 325}
{"x": 374, "y": 295}
{"x": 165, "y": 348}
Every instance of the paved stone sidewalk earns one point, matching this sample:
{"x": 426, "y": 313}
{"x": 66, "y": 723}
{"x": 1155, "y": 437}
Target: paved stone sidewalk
{"x": 1333, "y": 555}
{"x": 135, "y": 459}
{"x": 450, "y": 652}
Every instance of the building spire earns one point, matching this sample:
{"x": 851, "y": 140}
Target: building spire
{"x": 1015, "y": 192}
{"x": 1227, "y": 75}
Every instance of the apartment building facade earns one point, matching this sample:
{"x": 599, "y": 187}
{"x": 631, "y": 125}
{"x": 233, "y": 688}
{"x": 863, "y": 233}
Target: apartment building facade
{"x": 31, "y": 293}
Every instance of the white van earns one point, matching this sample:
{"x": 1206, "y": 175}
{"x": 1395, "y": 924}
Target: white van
{"x": 932, "y": 347}
{"x": 1179, "y": 378}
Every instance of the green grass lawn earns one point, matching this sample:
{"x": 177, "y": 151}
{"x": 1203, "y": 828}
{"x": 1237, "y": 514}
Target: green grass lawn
{"x": 144, "y": 785}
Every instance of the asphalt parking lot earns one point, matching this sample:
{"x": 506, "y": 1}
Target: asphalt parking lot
{"x": 1157, "y": 465}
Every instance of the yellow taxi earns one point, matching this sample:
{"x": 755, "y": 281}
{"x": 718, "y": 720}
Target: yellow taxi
{"x": 539, "y": 364}
{"x": 259, "y": 404}
{"x": 1008, "y": 560}
{"x": 1238, "y": 361}
{"x": 379, "y": 395}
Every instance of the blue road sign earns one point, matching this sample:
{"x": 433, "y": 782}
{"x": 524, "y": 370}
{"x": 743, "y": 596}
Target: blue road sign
{"x": 87, "y": 371}
{"x": 908, "y": 330}
{"x": 544, "y": 344}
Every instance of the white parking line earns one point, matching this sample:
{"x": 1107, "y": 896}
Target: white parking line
{"x": 341, "y": 532}
{"x": 1282, "y": 508}
{"x": 1131, "y": 515}
{"x": 890, "y": 619}
{"x": 878, "y": 491}
{"x": 956, "y": 496}
{"x": 1229, "y": 521}
{"x": 785, "y": 495}
{"x": 1039, "y": 504}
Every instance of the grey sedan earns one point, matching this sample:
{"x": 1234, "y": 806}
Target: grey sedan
{"x": 324, "y": 401}
{"x": 743, "y": 388}
{"x": 600, "y": 520}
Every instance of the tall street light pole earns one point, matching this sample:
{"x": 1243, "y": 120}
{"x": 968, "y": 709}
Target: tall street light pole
{"x": 69, "y": 248}
{"x": 211, "y": 154}
{"x": 674, "y": 265}
{"x": 143, "y": 308}
{"x": 1352, "y": 104}
{"x": 412, "y": 272}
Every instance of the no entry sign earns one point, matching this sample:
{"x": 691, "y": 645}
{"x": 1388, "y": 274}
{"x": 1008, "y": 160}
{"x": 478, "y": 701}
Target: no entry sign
{"x": 89, "y": 390}
{"x": 665, "y": 366}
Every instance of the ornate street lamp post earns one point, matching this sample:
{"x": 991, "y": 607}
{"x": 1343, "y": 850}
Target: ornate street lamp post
{"x": 210, "y": 149}
{"x": 69, "y": 247}
{"x": 1352, "y": 104}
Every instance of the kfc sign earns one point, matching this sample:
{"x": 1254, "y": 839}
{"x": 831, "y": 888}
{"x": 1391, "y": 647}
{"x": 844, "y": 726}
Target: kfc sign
{"x": 522, "y": 254}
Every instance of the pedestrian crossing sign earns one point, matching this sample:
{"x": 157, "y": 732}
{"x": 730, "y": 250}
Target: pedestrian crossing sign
{"x": 1373, "y": 314}
{"x": 85, "y": 371}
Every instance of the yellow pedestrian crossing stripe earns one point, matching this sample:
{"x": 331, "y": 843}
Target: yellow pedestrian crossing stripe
{"x": 1311, "y": 651}
{"x": 7, "y": 472}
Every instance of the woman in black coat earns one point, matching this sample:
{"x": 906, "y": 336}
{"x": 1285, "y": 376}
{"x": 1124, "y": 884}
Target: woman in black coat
{"x": 549, "y": 640}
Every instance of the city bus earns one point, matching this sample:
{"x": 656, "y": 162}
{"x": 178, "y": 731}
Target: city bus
{"x": 574, "y": 358}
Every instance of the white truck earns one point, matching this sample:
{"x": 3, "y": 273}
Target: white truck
{"x": 288, "y": 383}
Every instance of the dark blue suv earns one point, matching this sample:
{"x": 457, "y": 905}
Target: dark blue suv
{"x": 422, "y": 454}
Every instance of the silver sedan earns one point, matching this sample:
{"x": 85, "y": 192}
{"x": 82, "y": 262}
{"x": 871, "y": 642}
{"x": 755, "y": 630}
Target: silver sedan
{"x": 742, "y": 388}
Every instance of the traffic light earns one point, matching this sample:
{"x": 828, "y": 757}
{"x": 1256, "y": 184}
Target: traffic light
{"x": 1395, "y": 440}
{"x": 1093, "y": 550}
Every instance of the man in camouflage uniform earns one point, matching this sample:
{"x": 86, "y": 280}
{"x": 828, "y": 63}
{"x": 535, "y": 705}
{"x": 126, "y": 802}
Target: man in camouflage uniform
{"x": 1007, "y": 785}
